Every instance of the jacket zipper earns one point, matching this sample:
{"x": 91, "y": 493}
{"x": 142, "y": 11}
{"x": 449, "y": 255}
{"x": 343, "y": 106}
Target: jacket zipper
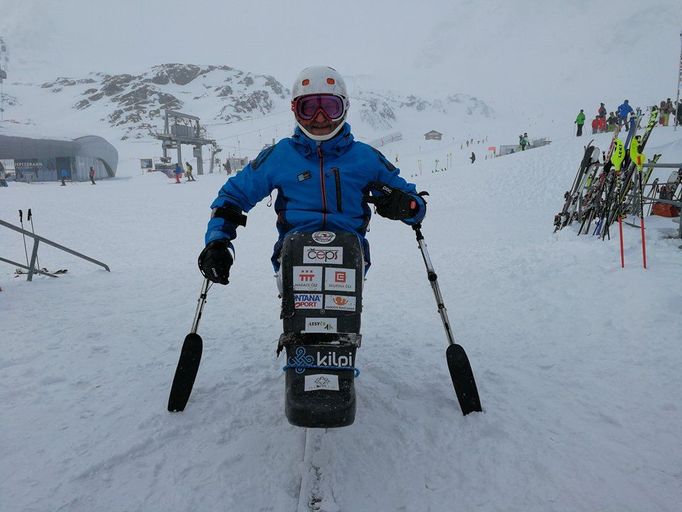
{"x": 337, "y": 179}
{"x": 324, "y": 190}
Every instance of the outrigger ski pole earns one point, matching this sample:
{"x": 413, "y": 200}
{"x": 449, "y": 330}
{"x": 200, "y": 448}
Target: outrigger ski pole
{"x": 190, "y": 357}
{"x": 458, "y": 363}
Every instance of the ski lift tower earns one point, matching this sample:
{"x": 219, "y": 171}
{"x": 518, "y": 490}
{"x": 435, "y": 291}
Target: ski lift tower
{"x": 182, "y": 129}
{"x": 3, "y": 75}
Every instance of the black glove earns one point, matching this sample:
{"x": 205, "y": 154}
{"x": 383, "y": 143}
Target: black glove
{"x": 215, "y": 261}
{"x": 392, "y": 203}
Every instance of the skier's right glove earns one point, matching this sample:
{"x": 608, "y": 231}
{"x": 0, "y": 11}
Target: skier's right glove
{"x": 215, "y": 261}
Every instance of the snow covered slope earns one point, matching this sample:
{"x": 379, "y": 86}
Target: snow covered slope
{"x": 577, "y": 360}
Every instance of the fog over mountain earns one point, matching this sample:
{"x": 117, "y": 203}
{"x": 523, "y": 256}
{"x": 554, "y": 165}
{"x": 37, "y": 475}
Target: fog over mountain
{"x": 521, "y": 52}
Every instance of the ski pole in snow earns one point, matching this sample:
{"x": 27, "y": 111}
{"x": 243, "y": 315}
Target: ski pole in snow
{"x": 458, "y": 363}
{"x": 641, "y": 218}
{"x": 190, "y": 357}
{"x": 21, "y": 221}
{"x": 30, "y": 218}
{"x": 620, "y": 232}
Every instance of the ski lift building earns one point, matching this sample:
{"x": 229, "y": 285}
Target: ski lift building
{"x": 41, "y": 159}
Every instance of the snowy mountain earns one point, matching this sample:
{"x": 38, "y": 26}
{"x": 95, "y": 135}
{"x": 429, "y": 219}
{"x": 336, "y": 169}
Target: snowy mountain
{"x": 134, "y": 104}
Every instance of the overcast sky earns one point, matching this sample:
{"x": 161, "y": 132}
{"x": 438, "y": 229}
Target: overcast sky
{"x": 488, "y": 48}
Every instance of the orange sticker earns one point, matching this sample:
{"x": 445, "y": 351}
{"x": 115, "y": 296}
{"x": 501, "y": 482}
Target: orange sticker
{"x": 330, "y": 81}
{"x": 305, "y": 81}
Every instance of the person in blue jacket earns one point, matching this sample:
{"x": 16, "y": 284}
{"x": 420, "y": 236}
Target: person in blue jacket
{"x": 623, "y": 110}
{"x": 323, "y": 179}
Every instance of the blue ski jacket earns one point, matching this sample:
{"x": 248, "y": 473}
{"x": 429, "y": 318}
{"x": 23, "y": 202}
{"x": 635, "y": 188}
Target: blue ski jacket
{"x": 624, "y": 109}
{"x": 320, "y": 186}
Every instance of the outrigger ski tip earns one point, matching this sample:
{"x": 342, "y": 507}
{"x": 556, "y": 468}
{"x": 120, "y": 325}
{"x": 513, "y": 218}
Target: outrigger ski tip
{"x": 463, "y": 379}
{"x": 458, "y": 363}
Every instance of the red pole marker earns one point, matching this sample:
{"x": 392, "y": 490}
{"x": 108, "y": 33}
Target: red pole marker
{"x": 620, "y": 231}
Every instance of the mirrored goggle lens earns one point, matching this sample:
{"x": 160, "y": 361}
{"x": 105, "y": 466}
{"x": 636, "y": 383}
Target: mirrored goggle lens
{"x": 307, "y": 106}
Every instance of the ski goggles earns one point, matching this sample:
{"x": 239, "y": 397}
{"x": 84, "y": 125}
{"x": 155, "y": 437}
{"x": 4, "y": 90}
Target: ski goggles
{"x": 306, "y": 107}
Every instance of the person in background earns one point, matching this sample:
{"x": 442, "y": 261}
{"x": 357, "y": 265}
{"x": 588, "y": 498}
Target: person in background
{"x": 473, "y": 157}
{"x": 525, "y": 143}
{"x": 63, "y": 174}
{"x": 188, "y": 172}
{"x": 601, "y": 111}
{"x": 595, "y": 125}
{"x": 3, "y": 176}
{"x": 624, "y": 109}
{"x": 91, "y": 174}
{"x": 661, "y": 113}
{"x": 669, "y": 109}
{"x": 580, "y": 121}
{"x": 178, "y": 173}
{"x": 611, "y": 122}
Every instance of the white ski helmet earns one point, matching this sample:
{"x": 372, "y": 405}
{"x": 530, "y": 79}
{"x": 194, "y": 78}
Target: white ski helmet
{"x": 320, "y": 80}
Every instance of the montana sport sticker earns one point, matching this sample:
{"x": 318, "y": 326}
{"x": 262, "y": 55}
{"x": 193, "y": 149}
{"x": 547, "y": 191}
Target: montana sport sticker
{"x": 307, "y": 301}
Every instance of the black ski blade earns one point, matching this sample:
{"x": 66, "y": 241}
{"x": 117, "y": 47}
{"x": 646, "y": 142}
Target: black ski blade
{"x": 186, "y": 372}
{"x": 463, "y": 379}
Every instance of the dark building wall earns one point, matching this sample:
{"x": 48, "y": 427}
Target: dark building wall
{"x": 43, "y": 159}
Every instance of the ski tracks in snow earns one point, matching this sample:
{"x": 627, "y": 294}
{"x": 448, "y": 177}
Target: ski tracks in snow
{"x": 316, "y": 492}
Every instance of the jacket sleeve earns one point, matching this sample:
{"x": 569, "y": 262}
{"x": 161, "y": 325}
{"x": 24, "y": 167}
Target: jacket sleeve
{"x": 390, "y": 175}
{"x": 242, "y": 191}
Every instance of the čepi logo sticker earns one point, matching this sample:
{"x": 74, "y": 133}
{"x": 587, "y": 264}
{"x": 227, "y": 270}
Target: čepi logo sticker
{"x": 329, "y": 255}
{"x": 341, "y": 279}
{"x": 339, "y": 303}
{"x": 324, "y": 237}
{"x": 307, "y": 301}
{"x": 307, "y": 278}
{"x": 320, "y": 325}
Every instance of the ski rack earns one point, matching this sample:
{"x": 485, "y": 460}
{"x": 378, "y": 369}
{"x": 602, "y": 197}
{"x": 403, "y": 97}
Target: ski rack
{"x": 34, "y": 254}
{"x": 648, "y": 200}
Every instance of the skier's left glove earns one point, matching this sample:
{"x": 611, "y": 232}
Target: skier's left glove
{"x": 392, "y": 203}
{"x": 215, "y": 261}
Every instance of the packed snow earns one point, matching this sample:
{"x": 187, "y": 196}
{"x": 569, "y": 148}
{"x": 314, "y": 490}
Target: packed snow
{"x": 577, "y": 360}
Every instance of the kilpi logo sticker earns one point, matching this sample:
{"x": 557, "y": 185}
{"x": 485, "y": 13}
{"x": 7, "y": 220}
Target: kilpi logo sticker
{"x": 305, "y": 175}
{"x": 324, "y": 237}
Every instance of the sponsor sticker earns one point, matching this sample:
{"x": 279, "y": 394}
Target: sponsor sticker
{"x": 339, "y": 303}
{"x": 328, "y": 255}
{"x": 305, "y": 175}
{"x": 324, "y": 237}
{"x": 307, "y": 301}
{"x": 341, "y": 279}
{"x": 321, "y": 382}
{"x": 307, "y": 278}
{"x": 320, "y": 325}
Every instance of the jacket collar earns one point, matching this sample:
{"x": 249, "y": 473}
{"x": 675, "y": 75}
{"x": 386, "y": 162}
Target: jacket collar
{"x": 337, "y": 145}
